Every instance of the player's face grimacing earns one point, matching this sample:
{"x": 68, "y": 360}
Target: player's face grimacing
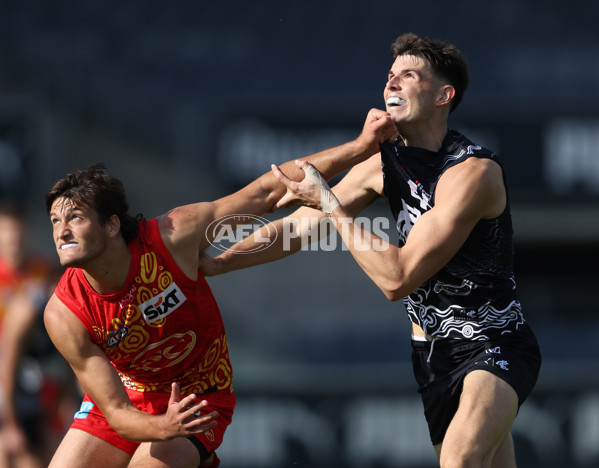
{"x": 78, "y": 235}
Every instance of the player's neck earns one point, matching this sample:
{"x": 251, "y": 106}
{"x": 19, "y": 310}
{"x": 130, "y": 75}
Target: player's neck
{"x": 429, "y": 135}
{"x": 108, "y": 273}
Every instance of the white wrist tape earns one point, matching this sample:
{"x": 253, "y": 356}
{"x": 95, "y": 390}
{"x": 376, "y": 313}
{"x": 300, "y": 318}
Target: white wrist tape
{"x": 328, "y": 200}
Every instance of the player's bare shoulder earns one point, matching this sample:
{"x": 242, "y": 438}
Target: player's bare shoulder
{"x": 475, "y": 184}
{"x": 186, "y": 225}
{"x": 63, "y": 327}
{"x": 55, "y": 311}
{"x": 488, "y": 170}
{"x": 473, "y": 173}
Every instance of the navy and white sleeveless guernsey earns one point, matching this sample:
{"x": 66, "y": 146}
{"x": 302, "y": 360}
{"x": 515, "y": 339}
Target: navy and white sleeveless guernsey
{"x": 473, "y": 296}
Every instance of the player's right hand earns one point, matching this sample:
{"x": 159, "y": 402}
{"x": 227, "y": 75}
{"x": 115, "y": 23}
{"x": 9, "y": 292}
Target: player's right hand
{"x": 184, "y": 416}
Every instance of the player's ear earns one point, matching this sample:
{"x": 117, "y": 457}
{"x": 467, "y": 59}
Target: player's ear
{"x": 446, "y": 94}
{"x": 113, "y": 226}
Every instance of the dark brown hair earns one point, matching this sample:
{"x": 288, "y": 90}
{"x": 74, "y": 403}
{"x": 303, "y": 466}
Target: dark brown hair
{"x": 101, "y": 192}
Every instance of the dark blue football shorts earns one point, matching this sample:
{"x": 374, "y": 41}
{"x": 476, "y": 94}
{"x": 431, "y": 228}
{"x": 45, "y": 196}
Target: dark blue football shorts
{"x": 514, "y": 358}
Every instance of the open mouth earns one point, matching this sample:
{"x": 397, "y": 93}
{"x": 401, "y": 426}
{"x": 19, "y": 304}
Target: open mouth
{"x": 67, "y": 246}
{"x": 394, "y": 101}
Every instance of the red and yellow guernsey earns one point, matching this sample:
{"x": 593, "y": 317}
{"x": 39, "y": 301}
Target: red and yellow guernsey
{"x": 162, "y": 327}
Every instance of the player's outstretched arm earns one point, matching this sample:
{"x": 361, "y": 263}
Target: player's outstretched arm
{"x": 285, "y": 236}
{"x": 262, "y": 195}
{"x": 184, "y": 229}
{"x": 465, "y": 194}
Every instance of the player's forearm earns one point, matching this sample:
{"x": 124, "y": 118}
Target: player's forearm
{"x": 335, "y": 160}
{"x": 136, "y": 425}
{"x": 329, "y": 163}
{"x": 237, "y": 259}
{"x": 266, "y": 245}
{"x": 378, "y": 127}
{"x": 379, "y": 259}
{"x": 182, "y": 418}
{"x": 272, "y": 242}
{"x": 133, "y": 424}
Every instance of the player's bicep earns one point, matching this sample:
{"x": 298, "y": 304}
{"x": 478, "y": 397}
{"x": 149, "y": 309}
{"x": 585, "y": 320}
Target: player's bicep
{"x": 463, "y": 197}
{"x": 361, "y": 185}
{"x": 472, "y": 191}
{"x": 431, "y": 243}
{"x": 90, "y": 365}
{"x": 64, "y": 329}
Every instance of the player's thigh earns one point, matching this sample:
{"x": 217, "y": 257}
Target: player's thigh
{"x": 79, "y": 449}
{"x": 488, "y": 406}
{"x": 178, "y": 452}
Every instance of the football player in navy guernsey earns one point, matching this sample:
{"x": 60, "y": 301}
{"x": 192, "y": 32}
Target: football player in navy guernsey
{"x": 475, "y": 358}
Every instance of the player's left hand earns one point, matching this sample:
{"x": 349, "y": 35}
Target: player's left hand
{"x": 312, "y": 191}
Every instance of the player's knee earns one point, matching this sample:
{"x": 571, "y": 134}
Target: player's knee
{"x": 464, "y": 458}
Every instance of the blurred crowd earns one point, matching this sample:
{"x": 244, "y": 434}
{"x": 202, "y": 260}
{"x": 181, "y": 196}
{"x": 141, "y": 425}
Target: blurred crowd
{"x": 38, "y": 392}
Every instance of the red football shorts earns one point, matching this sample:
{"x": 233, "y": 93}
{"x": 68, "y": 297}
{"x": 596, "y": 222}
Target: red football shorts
{"x": 91, "y": 420}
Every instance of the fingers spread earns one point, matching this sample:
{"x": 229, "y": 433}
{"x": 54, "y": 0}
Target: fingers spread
{"x": 197, "y": 423}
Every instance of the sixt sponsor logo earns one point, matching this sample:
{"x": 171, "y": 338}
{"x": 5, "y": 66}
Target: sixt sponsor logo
{"x": 117, "y": 336}
{"x": 163, "y": 304}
